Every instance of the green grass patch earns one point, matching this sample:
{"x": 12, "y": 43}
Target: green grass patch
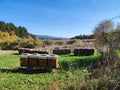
{"x": 68, "y": 61}
{"x": 12, "y": 77}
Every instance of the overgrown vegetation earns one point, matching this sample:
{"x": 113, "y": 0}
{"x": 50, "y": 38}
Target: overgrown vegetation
{"x": 105, "y": 73}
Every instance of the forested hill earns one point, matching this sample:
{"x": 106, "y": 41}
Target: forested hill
{"x": 83, "y": 37}
{"x": 19, "y": 31}
{"x": 14, "y": 37}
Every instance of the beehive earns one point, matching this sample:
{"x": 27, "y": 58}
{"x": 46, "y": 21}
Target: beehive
{"x": 24, "y": 60}
{"x": 61, "y": 51}
{"x": 42, "y": 60}
{"x": 39, "y": 60}
{"x": 20, "y": 50}
{"x": 52, "y": 60}
{"x": 32, "y": 60}
{"x": 32, "y": 51}
{"x": 83, "y": 52}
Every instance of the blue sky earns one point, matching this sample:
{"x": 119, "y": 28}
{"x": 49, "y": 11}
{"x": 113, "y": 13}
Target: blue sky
{"x": 63, "y": 18}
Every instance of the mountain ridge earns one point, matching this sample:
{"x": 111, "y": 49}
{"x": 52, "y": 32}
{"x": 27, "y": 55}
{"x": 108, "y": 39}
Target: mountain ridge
{"x": 48, "y": 37}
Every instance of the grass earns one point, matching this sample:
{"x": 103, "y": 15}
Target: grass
{"x": 68, "y": 61}
{"x": 13, "y": 77}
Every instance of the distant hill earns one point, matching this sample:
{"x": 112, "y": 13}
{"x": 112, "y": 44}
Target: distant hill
{"x": 51, "y": 37}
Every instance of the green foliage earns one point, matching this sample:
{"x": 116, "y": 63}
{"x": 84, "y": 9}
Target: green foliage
{"x": 103, "y": 34}
{"x": 4, "y": 36}
{"x": 107, "y": 67}
{"x": 15, "y": 78}
{"x": 83, "y": 37}
{"x": 59, "y": 42}
{"x": 9, "y": 45}
{"x": 71, "y": 61}
{"x": 48, "y": 42}
{"x": 5, "y": 45}
{"x": 13, "y": 37}
{"x": 19, "y": 31}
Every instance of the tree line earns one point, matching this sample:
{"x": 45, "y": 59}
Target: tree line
{"x": 83, "y": 37}
{"x": 19, "y": 31}
{"x": 13, "y": 37}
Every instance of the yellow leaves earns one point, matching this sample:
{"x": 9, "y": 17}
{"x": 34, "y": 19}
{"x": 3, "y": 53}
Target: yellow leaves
{"x": 5, "y": 36}
{"x": 13, "y": 36}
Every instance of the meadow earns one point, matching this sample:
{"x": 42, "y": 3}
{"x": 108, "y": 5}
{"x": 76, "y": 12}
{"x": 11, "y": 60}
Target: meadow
{"x": 71, "y": 68}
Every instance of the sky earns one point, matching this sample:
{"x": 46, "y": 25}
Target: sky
{"x": 62, "y": 18}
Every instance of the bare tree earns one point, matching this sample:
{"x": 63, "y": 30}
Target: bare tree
{"x": 101, "y": 34}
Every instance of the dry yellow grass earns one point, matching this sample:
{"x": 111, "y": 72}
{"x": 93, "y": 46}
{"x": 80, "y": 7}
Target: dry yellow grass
{"x": 3, "y": 52}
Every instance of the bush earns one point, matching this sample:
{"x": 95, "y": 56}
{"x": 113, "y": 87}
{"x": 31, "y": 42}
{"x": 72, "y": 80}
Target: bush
{"x": 5, "y": 45}
{"x": 71, "y": 41}
{"x": 48, "y": 42}
{"x": 60, "y": 42}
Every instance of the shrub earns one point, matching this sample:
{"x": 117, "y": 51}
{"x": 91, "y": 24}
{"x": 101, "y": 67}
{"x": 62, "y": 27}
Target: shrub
{"x": 48, "y": 42}
{"x": 60, "y": 42}
{"x": 71, "y": 41}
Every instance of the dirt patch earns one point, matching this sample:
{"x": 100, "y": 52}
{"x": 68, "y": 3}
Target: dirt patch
{"x": 3, "y": 52}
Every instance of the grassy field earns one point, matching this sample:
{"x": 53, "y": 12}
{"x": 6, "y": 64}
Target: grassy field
{"x": 13, "y": 77}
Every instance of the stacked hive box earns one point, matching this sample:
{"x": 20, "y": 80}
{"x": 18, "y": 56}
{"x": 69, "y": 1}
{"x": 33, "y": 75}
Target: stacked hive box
{"x": 61, "y": 51}
{"x": 20, "y": 50}
{"x": 31, "y": 51}
{"x": 83, "y": 52}
{"x": 39, "y": 60}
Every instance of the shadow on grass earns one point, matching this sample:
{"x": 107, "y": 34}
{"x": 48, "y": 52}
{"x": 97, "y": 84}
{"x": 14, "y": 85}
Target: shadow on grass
{"x": 72, "y": 55}
{"x": 24, "y": 71}
{"x": 68, "y": 55}
{"x": 15, "y": 54}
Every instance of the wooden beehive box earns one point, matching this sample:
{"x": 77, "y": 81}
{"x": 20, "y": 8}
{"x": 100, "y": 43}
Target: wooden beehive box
{"x": 61, "y": 51}
{"x": 32, "y": 60}
{"x": 39, "y": 60}
{"x": 52, "y": 61}
{"x": 32, "y": 51}
{"x": 42, "y": 60}
{"x": 20, "y": 50}
{"x": 24, "y": 60}
{"x": 83, "y": 52}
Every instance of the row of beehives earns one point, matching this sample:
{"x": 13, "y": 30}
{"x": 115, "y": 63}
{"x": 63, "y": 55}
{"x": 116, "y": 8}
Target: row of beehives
{"x": 39, "y": 60}
{"x": 77, "y": 51}
{"x": 60, "y": 51}
{"x": 32, "y": 51}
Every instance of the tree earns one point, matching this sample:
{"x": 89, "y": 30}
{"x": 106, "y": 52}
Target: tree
{"x": 19, "y": 31}
{"x": 2, "y": 26}
{"x": 101, "y": 34}
{"x": 22, "y": 32}
{"x": 4, "y": 36}
{"x": 13, "y": 36}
